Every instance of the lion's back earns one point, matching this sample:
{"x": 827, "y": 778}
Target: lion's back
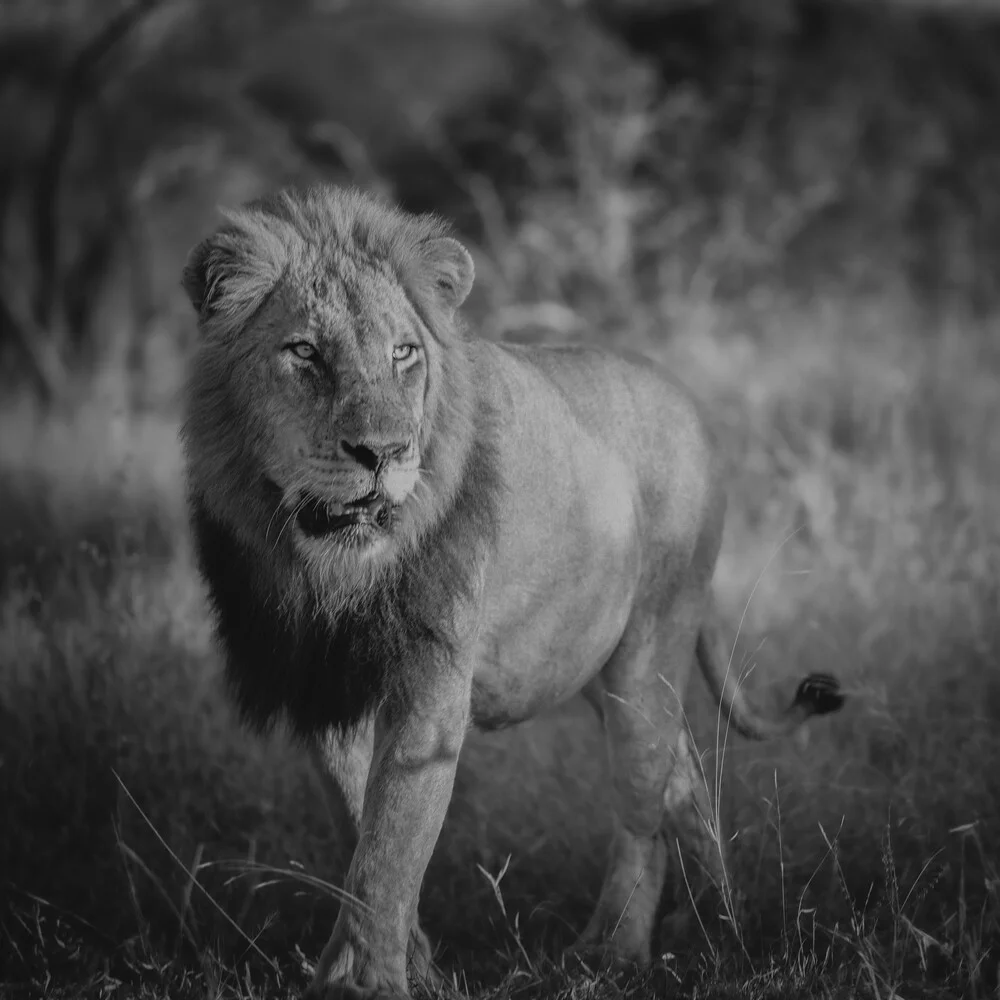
{"x": 627, "y": 400}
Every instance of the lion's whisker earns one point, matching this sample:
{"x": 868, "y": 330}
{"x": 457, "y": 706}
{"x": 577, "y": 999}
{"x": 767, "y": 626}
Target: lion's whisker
{"x": 294, "y": 513}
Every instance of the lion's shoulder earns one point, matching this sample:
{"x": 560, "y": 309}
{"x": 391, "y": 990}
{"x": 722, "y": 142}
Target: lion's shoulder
{"x": 641, "y": 424}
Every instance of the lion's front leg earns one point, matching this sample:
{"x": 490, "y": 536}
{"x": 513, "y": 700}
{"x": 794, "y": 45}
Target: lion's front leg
{"x": 407, "y": 794}
{"x": 343, "y": 761}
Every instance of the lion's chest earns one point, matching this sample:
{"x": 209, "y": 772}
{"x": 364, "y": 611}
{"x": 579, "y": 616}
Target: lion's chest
{"x": 558, "y": 604}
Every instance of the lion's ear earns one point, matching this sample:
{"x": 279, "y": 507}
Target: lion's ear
{"x": 450, "y": 266}
{"x": 197, "y": 275}
{"x": 228, "y": 276}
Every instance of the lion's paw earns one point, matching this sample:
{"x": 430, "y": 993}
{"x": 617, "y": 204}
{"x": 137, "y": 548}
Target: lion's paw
{"x": 348, "y": 991}
{"x": 347, "y": 972}
{"x": 600, "y": 956}
{"x": 420, "y": 958}
{"x": 353, "y": 991}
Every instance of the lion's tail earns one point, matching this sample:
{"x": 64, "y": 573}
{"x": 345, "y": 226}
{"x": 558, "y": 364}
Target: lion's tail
{"x": 817, "y": 694}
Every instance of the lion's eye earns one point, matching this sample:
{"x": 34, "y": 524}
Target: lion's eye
{"x": 303, "y": 349}
{"x": 404, "y": 352}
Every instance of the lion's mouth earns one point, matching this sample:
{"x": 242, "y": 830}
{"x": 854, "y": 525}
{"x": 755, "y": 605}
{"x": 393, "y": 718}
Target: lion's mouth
{"x": 318, "y": 516}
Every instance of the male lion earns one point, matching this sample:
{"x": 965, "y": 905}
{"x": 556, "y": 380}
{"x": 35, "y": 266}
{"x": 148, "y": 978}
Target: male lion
{"x": 406, "y": 531}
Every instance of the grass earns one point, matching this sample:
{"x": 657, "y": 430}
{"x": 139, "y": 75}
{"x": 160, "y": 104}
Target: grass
{"x": 142, "y": 824}
{"x": 151, "y": 847}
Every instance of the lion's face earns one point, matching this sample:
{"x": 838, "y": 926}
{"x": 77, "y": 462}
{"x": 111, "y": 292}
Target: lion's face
{"x": 348, "y": 362}
{"x": 314, "y": 399}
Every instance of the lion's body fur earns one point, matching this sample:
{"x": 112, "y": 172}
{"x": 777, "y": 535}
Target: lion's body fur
{"x": 556, "y": 518}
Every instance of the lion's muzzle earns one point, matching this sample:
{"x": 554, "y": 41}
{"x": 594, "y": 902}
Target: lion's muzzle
{"x": 394, "y": 462}
{"x": 318, "y": 516}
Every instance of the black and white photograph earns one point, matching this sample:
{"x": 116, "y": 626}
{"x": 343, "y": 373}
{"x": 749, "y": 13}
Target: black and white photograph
{"x": 499, "y": 499}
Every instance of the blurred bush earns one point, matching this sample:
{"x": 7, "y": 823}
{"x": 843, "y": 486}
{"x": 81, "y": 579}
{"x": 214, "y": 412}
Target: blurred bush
{"x": 595, "y": 152}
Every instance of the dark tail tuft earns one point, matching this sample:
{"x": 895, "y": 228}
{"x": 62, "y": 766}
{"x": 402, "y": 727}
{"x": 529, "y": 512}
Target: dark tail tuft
{"x": 819, "y": 694}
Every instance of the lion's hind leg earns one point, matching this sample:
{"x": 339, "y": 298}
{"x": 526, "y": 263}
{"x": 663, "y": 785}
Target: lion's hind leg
{"x": 640, "y": 703}
{"x": 691, "y": 818}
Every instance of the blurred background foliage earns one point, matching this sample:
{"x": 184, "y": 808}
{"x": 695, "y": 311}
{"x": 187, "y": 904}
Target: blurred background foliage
{"x": 718, "y": 148}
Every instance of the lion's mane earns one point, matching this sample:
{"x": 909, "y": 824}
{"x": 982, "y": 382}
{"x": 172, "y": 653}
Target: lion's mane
{"x": 289, "y": 653}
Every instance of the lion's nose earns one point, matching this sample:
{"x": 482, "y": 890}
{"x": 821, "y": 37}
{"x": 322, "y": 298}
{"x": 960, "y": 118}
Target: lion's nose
{"x": 373, "y": 454}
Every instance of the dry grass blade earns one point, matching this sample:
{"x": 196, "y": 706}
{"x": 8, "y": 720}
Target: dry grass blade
{"x": 286, "y": 875}
{"x": 192, "y": 876}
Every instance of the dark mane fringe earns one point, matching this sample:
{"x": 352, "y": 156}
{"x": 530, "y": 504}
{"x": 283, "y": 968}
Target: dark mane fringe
{"x": 318, "y": 672}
